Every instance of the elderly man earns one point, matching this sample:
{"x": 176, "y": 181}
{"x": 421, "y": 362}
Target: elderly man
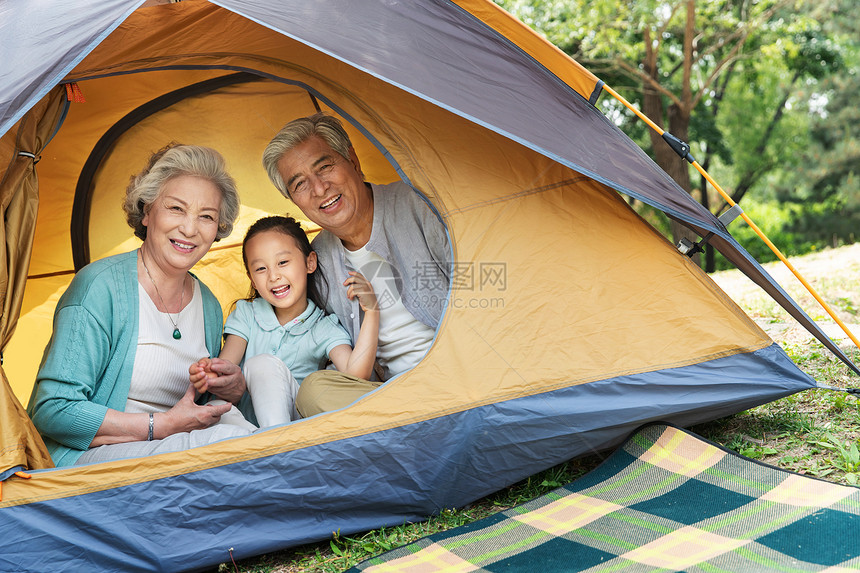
{"x": 386, "y": 232}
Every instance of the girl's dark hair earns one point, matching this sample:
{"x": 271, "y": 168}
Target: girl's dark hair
{"x": 317, "y": 287}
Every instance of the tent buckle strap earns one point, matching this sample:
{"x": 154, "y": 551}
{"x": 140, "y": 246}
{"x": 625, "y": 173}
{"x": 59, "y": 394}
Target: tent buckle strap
{"x": 33, "y": 156}
{"x": 731, "y": 215}
{"x": 688, "y": 247}
{"x": 822, "y": 386}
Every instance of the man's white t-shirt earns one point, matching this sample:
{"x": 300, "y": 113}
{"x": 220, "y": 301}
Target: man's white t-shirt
{"x": 403, "y": 340}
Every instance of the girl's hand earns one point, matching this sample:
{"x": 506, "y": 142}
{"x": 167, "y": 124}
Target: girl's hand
{"x": 358, "y": 286}
{"x": 200, "y": 373}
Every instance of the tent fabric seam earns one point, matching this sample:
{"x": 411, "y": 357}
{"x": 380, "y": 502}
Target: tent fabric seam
{"x": 64, "y": 72}
{"x": 549, "y": 73}
{"x": 517, "y": 195}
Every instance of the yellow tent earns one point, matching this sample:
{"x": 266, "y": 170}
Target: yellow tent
{"x": 570, "y": 321}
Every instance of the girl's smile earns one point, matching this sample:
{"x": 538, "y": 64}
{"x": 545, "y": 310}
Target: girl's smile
{"x": 281, "y": 292}
{"x": 279, "y": 272}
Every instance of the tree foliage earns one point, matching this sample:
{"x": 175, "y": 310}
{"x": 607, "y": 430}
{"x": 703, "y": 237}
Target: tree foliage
{"x": 825, "y": 179}
{"x": 735, "y": 78}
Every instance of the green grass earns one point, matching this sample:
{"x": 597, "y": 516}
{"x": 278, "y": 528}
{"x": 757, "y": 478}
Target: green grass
{"x": 816, "y": 432}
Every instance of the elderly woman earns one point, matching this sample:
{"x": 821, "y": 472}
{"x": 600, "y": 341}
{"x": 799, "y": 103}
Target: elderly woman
{"x": 114, "y": 379}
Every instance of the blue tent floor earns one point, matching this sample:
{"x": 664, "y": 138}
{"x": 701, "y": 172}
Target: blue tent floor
{"x": 666, "y": 500}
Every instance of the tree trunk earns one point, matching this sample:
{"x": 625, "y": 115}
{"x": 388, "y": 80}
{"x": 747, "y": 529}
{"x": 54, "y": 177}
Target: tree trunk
{"x": 678, "y": 119}
{"x": 678, "y": 169}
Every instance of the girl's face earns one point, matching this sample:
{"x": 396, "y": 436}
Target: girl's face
{"x": 279, "y": 272}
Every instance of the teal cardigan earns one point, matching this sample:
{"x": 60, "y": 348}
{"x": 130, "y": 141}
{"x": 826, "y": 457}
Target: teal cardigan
{"x": 87, "y": 365}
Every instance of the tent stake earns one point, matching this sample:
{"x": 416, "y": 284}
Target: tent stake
{"x": 855, "y": 391}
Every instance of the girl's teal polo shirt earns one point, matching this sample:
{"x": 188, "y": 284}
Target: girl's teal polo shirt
{"x": 302, "y": 344}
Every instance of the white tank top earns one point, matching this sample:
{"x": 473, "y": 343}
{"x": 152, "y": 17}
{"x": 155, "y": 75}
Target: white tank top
{"x": 160, "y": 375}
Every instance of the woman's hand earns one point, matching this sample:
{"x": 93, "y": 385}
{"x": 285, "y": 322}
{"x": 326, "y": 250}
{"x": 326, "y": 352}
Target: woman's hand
{"x": 186, "y": 416}
{"x": 360, "y": 287}
{"x": 224, "y": 379}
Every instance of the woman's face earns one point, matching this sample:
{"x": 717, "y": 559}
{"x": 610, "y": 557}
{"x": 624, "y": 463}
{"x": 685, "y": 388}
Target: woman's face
{"x": 182, "y": 222}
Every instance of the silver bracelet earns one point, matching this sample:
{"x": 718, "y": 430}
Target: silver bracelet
{"x": 151, "y": 426}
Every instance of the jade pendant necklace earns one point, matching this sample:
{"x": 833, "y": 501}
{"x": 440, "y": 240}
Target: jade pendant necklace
{"x": 176, "y": 333}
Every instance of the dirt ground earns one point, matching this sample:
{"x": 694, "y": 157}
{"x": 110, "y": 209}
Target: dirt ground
{"x": 833, "y": 273}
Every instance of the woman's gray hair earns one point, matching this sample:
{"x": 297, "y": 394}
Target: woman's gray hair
{"x": 176, "y": 160}
{"x": 326, "y": 127}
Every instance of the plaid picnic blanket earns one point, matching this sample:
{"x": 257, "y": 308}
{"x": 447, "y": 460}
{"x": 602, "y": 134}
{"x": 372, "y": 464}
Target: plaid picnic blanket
{"x": 667, "y": 500}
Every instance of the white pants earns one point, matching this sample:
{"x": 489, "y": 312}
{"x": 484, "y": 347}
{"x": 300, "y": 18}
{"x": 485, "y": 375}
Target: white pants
{"x": 231, "y": 425}
{"x": 273, "y": 389}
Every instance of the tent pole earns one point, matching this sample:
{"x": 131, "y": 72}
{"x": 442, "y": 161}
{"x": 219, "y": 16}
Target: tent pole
{"x": 683, "y": 149}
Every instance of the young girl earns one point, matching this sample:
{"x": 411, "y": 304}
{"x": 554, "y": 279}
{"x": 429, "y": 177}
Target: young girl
{"x": 281, "y": 330}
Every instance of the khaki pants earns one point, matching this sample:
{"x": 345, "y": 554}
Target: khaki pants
{"x": 327, "y": 390}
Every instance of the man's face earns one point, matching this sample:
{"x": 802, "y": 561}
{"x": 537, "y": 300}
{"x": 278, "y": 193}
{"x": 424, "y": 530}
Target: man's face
{"x": 329, "y": 189}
